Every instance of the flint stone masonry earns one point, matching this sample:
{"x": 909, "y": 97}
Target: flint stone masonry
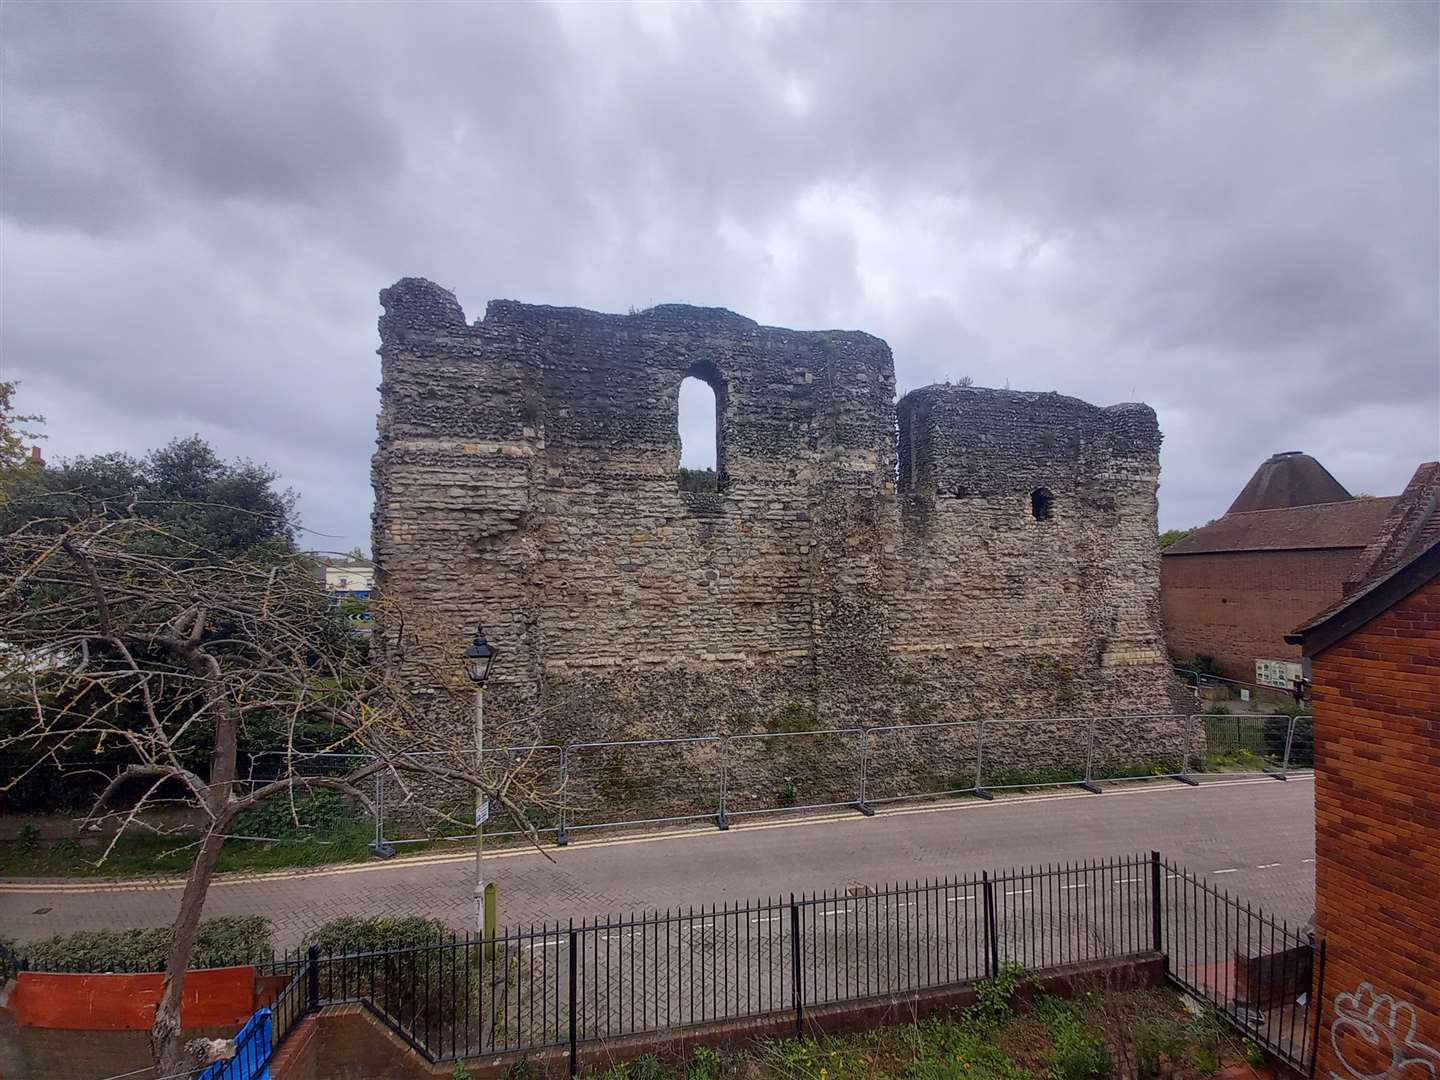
{"x": 526, "y": 476}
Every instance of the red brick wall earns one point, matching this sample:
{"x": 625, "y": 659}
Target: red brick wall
{"x": 1377, "y": 840}
{"x": 295, "y": 1060}
{"x": 1238, "y": 606}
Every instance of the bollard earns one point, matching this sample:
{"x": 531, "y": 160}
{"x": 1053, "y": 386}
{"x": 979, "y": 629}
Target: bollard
{"x": 492, "y": 917}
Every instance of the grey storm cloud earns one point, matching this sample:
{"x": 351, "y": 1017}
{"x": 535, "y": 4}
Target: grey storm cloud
{"x": 1226, "y": 210}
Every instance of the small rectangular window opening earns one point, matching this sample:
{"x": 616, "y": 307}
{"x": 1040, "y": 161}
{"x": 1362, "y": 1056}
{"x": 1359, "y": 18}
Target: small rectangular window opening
{"x": 1041, "y": 504}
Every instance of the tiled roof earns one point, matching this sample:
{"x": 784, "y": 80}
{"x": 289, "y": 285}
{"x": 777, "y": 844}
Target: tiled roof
{"x": 1348, "y": 524}
{"x": 1413, "y": 522}
{"x": 1288, "y": 479}
{"x": 1404, "y": 554}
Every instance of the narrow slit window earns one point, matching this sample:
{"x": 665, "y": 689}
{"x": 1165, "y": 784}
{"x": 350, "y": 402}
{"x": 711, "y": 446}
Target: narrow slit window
{"x": 1042, "y": 504}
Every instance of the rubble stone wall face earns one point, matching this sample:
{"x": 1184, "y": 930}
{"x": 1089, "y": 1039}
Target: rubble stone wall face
{"x": 526, "y": 475}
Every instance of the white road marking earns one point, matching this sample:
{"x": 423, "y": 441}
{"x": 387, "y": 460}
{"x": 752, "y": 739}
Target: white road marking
{"x": 1267, "y": 866}
{"x": 1017, "y": 892}
{"x": 961, "y": 900}
{"x": 1307, "y": 860}
{"x": 1232, "y": 870}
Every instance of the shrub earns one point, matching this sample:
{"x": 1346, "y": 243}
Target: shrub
{"x": 832, "y": 1058}
{"x": 7, "y": 959}
{"x": 371, "y": 933}
{"x": 1254, "y": 1055}
{"x": 1160, "y": 1040}
{"x": 707, "y": 1064}
{"x": 320, "y": 813}
{"x": 66, "y": 849}
{"x": 1204, "y": 664}
{"x": 795, "y": 716}
{"x": 993, "y": 996}
{"x": 1078, "y": 1052}
{"x": 402, "y": 969}
{"x": 1302, "y": 742}
{"x": 223, "y": 942}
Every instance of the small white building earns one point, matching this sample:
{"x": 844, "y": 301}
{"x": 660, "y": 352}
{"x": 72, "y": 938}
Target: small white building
{"x": 349, "y": 581}
{"x": 348, "y": 575}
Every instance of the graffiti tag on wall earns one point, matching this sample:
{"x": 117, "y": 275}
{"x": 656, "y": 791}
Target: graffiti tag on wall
{"x": 1376, "y": 1037}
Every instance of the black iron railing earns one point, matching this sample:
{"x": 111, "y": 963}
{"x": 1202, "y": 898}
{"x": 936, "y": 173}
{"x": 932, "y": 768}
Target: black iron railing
{"x": 566, "y": 985}
{"x": 295, "y": 1000}
{"x": 1264, "y": 975}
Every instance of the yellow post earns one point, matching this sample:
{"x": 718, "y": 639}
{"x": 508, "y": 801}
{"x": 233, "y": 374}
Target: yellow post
{"x": 492, "y": 909}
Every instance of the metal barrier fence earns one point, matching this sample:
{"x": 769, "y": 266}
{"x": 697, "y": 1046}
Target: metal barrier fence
{"x": 719, "y": 778}
{"x": 567, "y": 985}
{"x": 1271, "y": 744}
{"x": 1200, "y": 681}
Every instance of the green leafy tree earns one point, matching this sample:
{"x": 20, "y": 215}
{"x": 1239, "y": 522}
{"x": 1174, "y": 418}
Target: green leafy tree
{"x": 15, "y": 440}
{"x": 215, "y": 507}
{"x": 1173, "y": 536}
{"x": 181, "y": 502}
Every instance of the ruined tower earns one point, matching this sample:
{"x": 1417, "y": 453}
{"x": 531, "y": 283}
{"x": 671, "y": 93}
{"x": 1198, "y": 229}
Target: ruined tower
{"x": 998, "y": 558}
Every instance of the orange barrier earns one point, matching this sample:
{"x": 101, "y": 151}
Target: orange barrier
{"x": 213, "y": 997}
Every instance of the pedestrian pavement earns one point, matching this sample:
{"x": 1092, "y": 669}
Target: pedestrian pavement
{"x": 1253, "y": 837}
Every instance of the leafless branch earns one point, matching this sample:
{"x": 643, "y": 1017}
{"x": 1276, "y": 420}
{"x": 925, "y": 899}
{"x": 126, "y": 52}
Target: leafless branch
{"x": 118, "y": 637}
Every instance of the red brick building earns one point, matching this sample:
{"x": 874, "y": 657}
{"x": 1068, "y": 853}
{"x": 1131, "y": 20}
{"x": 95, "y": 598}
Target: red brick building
{"x": 1234, "y": 588}
{"x": 1375, "y": 658}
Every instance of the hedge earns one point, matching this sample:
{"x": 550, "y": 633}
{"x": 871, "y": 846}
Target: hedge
{"x": 370, "y": 933}
{"x": 224, "y": 942}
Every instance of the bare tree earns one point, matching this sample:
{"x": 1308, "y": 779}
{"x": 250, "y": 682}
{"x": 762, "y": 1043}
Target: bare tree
{"x": 116, "y": 633}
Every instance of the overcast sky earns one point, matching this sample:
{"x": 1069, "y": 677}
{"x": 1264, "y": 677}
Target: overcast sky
{"x": 1229, "y": 212}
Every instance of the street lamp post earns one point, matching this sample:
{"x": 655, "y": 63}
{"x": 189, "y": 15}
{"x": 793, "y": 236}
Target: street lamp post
{"x": 478, "y": 658}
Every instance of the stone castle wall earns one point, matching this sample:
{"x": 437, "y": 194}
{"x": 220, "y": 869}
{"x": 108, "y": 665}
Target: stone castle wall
{"x": 526, "y": 476}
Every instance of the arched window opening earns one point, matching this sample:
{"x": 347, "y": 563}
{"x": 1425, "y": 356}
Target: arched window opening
{"x": 701, "y": 467}
{"x": 1042, "y": 503}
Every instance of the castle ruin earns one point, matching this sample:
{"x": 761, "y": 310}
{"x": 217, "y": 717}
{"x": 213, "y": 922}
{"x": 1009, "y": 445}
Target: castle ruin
{"x": 965, "y": 553}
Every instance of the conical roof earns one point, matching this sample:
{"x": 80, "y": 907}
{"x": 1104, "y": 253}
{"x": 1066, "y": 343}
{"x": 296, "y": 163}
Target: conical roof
{"x": 1288, "y": 479}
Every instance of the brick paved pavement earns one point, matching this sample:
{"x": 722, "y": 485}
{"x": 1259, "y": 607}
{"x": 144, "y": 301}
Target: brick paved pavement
{"x": 1255, "y": 837}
